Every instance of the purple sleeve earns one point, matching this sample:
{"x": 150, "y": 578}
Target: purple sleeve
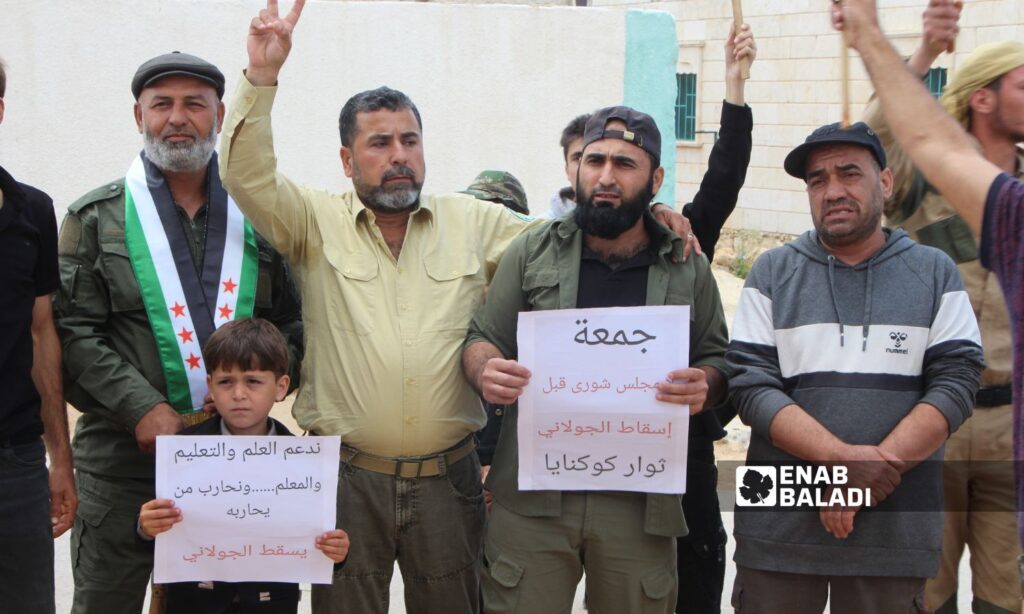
{"x": 1002, "y": 232}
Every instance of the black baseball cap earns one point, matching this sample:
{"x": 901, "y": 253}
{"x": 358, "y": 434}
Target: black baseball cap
{"x": 641, "y": 130}
{"x": 177, "y": 63}
{"x": 857, "y": 134}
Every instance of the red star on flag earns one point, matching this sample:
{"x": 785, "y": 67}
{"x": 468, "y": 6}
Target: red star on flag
{"x": 185, "y": 334}
{"x": 179, "y": 310}
{"x": 193, "y": 361}
{"x": 229, "y": 285}
{"x": 225, "y": 311}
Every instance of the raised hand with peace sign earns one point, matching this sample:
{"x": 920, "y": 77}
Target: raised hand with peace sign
{"x": 270, "y": 41}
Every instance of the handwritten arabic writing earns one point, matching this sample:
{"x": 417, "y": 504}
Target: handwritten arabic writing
{"x": 625, "y": 427}
{"x": 590, "y": 418}
{"x": 598, "y": 386}
{"x": 272, "y": 495}
{"x": 601, "y": 336}
{"x": 245, "y": 488}
{"x": 221, "y": 450}
{"x": 212, "y": 552}
{"x": 568, "y": 462}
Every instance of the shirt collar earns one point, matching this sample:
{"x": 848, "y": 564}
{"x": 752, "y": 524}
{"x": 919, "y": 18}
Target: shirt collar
{"x": 271, "y": 428}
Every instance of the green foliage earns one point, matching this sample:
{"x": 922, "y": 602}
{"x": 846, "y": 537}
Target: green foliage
{"x": 745, "y": 244}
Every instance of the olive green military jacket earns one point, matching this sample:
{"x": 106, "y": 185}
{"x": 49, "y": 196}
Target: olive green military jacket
{"x": 540, "y": 270}
{"x": 112, "y": 371}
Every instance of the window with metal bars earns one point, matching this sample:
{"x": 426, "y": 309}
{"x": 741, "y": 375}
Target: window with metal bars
{"x": 936, "y": 81}
{"x": 686, "y": 106}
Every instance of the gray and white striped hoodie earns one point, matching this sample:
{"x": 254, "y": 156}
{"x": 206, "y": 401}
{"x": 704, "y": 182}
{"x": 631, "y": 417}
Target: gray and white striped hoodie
{"x": 856, "y": 347}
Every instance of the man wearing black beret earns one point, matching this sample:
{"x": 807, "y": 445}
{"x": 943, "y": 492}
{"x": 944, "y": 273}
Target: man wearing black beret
{"x": 150, "y": 266}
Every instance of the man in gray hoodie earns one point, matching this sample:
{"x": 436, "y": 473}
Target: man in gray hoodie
{"x": 853, "y": 346}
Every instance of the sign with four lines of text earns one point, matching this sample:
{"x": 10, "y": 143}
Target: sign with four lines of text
{"x": 251, "y": 507}
{"x": 589, "y": 419}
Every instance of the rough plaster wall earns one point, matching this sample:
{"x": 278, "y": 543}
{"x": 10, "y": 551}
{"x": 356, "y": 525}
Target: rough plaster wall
{"x": 495, "y": 84}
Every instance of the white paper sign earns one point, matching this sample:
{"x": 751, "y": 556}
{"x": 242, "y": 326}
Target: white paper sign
{"x": 251, "y": 508}
{"x": 589, "y": 419}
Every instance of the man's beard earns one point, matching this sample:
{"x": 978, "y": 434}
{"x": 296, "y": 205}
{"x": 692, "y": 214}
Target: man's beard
{"x": 183, "y": 157}
{"x": 388, "y": 199}
{"x": 604, "y": 220}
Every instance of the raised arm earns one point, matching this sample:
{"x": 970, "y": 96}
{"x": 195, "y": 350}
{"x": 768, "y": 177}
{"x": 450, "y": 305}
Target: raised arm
{"x": 270, "y": 42}
{"x": 730, "y": 157}
{"x": 939, "y": 29}
{"x": 279, "y": 209}
{"x": 932, "y": 139}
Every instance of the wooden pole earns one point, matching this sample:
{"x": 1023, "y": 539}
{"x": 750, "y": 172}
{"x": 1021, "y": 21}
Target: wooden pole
{"x": 737, "y": 19}
{"x": 844, "y": 83}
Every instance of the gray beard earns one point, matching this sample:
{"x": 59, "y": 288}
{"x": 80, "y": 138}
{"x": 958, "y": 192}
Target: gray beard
{"x": 394, "y": 201}
{"x": 180, "y": 157}
{"x": 379, "y": 198}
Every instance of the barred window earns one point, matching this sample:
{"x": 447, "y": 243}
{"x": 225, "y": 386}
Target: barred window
{"x": 686, "y": 106}
{"x": 936, "y": 81}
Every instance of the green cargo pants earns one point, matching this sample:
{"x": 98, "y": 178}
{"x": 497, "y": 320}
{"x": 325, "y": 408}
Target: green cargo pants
{"x": 535, "y": 564}
{"x": 110, "y": 564}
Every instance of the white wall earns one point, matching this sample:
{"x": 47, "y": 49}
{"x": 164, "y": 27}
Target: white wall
{"x": 495, "y": 84}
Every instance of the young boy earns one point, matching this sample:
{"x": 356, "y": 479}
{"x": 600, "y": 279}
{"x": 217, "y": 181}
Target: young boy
{"x": 247, "y": 362}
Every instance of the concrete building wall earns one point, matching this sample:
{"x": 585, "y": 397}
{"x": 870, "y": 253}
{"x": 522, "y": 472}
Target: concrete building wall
{"x": 495, "y": 84}
{"x": 794, "y": 84}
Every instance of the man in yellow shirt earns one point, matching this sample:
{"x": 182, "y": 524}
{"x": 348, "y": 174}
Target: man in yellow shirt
{"x": 390, "y": 279}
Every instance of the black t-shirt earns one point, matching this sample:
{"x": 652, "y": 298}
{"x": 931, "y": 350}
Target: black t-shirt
{"x": 28, "y": 269}
{"x": 624, "y": 286}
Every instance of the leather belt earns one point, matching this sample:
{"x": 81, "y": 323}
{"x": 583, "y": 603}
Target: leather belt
{"x": 415, "y": 467}
{"x": 994, "y": 396}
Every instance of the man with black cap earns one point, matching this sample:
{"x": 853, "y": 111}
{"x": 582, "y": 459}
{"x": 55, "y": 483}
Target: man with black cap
{"x": 150, "y": 266}
{"x": 609, "y": 253}
{"x": 852, "y": 346}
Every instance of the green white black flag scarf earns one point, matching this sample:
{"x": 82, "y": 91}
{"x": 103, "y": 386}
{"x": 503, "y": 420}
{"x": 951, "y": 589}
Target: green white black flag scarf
{"x": 186, "y": 305}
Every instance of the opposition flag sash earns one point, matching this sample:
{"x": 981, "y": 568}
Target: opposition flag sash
{"x": 186, "y": 305}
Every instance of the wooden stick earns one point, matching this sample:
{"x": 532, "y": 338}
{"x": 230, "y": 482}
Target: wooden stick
{"x": 737, "y": 19}
{"x": 844, "y": 83}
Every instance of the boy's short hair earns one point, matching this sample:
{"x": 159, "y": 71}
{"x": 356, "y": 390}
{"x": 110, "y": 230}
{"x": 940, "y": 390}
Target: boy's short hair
{"x": 249, "y": 344}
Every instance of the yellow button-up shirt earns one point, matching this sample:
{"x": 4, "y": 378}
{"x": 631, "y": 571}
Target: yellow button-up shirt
{"x": 383, "y": 336}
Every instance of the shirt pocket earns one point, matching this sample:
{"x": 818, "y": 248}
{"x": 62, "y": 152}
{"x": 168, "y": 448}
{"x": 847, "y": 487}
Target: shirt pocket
{"x": 456, "y": 289}
{"x": 122, "y": 286}
{"x": 353, "y": 305}
{"x": 540, "y": 286}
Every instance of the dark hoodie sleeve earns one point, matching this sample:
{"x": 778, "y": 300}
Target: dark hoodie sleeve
{"x": 954, "y": 360}
{"x": 727, "y": 170}
{"x": 756, "y": 387}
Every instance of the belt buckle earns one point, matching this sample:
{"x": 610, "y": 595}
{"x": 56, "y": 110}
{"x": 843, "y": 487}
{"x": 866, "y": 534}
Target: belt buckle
{"x": 400, "y": 463}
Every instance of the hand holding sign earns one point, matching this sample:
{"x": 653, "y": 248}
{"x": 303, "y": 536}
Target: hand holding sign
{"x": 502, "y": 381}
{"x": 685, "y": 387}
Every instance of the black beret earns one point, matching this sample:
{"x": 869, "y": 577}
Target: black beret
{"x": 177, "y": 63}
